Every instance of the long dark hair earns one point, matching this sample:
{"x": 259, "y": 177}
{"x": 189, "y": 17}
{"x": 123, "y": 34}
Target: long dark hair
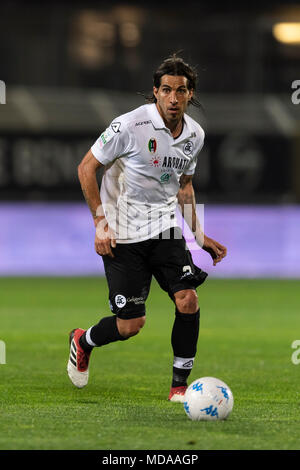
{"x": 175, "y": 65}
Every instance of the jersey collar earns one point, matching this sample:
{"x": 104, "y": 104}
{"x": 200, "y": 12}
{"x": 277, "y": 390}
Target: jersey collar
{"x": 158, "y": 123}
{"x": 157, "y": 120}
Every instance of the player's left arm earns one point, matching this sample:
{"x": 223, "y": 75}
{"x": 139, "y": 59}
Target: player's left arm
{"x": 187, "y": 203}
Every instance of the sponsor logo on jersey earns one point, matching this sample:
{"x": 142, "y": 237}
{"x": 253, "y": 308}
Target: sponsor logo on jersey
{"x": 174, "y": 162}
{"x": 188, "y": 148}
{"x": 105, "y": 137}
{"x": 141, "y": 123}
{"x": 155, "y": 161}
{"x": 152, "y": 145}
{"x": 165, "y": 178}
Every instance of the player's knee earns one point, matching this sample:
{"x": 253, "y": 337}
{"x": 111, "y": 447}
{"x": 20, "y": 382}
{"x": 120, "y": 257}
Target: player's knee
{"x": 130, "y": 327}
{"x": 187, "y": 301}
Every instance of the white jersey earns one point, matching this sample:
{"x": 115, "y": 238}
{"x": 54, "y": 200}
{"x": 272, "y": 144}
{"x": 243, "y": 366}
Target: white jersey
{"x": 143, "y": 165}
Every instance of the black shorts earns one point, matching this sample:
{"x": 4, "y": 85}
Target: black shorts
{"x": 130, "y": 272}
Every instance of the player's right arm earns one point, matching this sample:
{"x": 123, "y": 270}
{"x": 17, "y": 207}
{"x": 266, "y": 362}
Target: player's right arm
{"x": 87, "y": 171}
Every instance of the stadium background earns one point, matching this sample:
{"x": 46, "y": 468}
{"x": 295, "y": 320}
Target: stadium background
{"x": 70, "y": 69}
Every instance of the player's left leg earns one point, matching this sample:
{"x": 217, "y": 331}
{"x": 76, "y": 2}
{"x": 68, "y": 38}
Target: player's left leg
{"x": 184, "y": 340}
{"x": 174, "y": 269}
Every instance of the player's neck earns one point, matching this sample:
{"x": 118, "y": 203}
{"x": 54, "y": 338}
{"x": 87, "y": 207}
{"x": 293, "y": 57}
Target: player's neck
{"x": 175, "y": 127}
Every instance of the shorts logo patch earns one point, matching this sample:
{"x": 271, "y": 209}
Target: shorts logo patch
{"x": 152, "y": 145}
{"x": 187, "y": 271}
{"x": 120, "y": 301}
{"x": 188, "y": 148}
{"x": 136, "y": 300}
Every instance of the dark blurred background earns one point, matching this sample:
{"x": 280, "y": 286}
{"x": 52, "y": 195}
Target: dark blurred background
{"x": 71, "y": 68}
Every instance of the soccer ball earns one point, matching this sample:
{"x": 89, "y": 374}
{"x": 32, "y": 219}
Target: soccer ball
{"x": 208, "y": 399}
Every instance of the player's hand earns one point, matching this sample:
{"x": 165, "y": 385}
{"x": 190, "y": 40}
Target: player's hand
{"x": 215, "y": 249}
{"x": 105, "y": 239}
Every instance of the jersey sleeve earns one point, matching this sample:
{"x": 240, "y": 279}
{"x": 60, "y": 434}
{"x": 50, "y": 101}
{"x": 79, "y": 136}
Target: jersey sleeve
{"x": 113, "y": 143}
{"x": 190, "y": 169}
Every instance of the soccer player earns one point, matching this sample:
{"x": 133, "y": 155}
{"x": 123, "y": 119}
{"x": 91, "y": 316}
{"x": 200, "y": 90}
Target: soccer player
{"x": 149, "y": 157}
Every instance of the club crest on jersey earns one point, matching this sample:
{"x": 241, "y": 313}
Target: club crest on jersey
{"x": 188, "y": 148}
{"x": 152, "y": 145}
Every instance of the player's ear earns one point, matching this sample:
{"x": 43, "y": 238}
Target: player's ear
{"x": 155, "y": 91}
{"x": 191, "y": 93}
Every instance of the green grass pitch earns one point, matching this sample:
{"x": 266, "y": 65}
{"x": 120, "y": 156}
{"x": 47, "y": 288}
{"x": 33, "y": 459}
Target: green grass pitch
{"x": 247, "y": 329}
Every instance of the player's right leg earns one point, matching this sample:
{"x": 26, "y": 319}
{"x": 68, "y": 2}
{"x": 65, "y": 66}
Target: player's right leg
{"x": 129, "y": 282}
{"x": 108, "y": 330}
{"x": 78, "y": 363}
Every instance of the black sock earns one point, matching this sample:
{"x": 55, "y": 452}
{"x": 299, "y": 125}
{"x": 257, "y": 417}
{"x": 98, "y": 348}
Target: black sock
{"x": 84, "y": 344}
{"x": 105, "y": 332}
{"x": 184, "y": 343}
